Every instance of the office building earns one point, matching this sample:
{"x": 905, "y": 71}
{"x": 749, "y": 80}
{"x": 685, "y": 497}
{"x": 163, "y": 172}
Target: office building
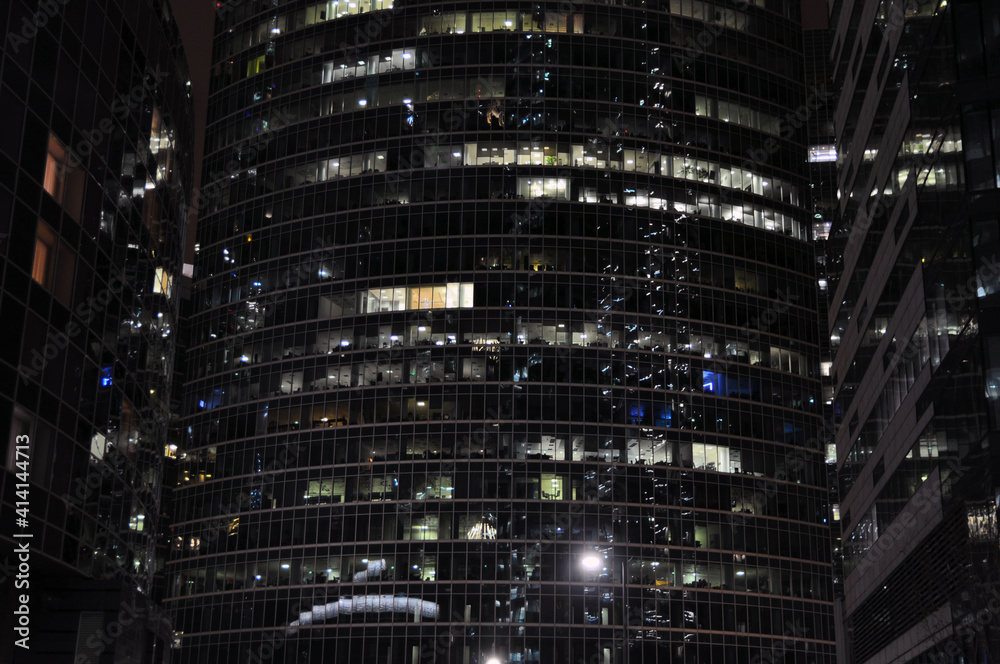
{"x": 95, "y": 160}
{"x": 504, "y": 345}
{"x": 914, "y": 328}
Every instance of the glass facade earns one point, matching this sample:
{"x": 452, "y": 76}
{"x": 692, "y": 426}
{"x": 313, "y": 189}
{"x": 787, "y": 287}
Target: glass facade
{"x": 913, "y": 327}
{"x": 504, "y": 343}
{"x": 96, "y": 173}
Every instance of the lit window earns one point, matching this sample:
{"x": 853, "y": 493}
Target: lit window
{"x": 161, "y": 145}
{"x": 54, "y": 264}
{"x": 45, "y": 255}
{"x": 63, "y": 182}
{"x": 822, "y": 153}
{"x": 98, "y": 444}
{"x": 255, "y": 66}
{"x": 440, "y": 297}
{"x": 163, "y": 282}
{"x": 55, "y": 169}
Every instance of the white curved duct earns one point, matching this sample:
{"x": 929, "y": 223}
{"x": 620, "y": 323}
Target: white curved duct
{"x": 375, "y": 567}
{"x": 364, "y": 604}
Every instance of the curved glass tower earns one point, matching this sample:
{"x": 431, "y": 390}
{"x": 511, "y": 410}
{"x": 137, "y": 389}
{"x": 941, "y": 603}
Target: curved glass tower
{"x": 505, "y": 340}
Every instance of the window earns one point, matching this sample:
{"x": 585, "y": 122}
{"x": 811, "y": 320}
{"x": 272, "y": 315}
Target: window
{"x": 255, "y": 66}
{"x": 55, "y": 169}
{"x": 822, "y": 153}
{"x": 45, "y": 255}
{"x": 63, "y": 181}
{"x": 163, "y": 282}
{"x": 495, "y": 21}
{"x": 556, "y": 188}
{"x": 54, "y": 264}
{"x": 161, "y": 145}
{"x": 442, "y": 24}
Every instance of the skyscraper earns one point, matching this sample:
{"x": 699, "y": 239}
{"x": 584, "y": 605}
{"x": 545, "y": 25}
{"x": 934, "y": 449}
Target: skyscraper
{"x": 96, "y": 170}
{"x": 505, "y": 345}
{"x": 913, "y": 278}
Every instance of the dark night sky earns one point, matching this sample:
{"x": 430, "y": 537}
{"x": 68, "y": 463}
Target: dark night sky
{"x": 814, "y": 14}
{"x": 196, "y": 18}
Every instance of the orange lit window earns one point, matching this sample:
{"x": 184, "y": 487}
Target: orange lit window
{"x": 55, "y": 169}
{"x": 54, "y": 264}
{"x": 45, "y": 255}
{"x": 63, "y": 181}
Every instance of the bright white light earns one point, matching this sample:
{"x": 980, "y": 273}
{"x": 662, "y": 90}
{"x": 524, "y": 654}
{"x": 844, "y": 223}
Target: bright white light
{"x": 822, "y": 153}
{"x": 591, "y": 562}
{"x": 362, "y": 102}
